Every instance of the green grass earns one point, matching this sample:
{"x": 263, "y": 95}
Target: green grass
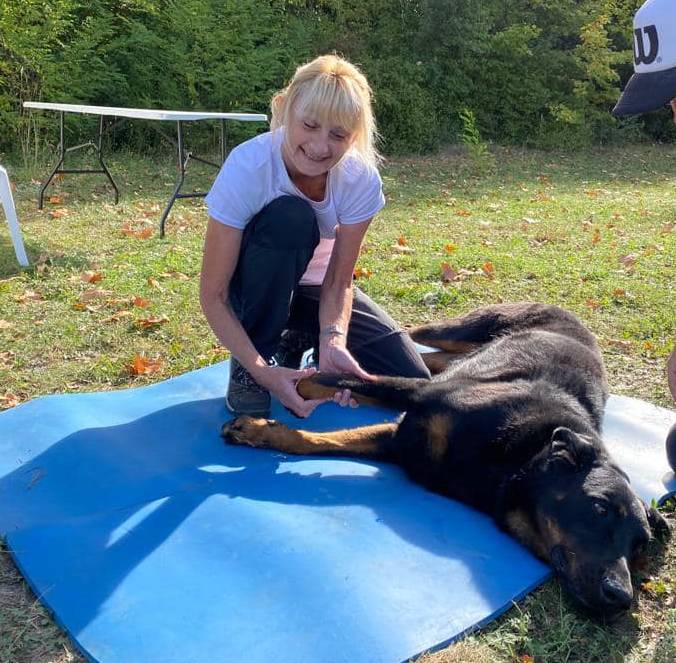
{"x": 554, "y": 227}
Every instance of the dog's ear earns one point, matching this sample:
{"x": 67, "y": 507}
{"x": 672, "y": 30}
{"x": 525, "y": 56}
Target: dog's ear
{"x": 658, "y": 525}
{"x": 570, "y": 448}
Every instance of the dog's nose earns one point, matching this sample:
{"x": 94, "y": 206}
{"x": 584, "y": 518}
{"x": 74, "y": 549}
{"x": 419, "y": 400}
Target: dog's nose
{"x": 615, "y": 594}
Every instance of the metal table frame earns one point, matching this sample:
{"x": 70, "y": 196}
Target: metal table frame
{"x": 184, "y": 155}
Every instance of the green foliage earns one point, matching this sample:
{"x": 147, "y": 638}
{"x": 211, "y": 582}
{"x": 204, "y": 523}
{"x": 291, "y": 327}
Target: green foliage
{"x": 543, "y": 73}
{"x": 482, "y": 159}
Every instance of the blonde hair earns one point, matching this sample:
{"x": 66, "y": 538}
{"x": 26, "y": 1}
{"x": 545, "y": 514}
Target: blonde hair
{"x": 334, "y": 91}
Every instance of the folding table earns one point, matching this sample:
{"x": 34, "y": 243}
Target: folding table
{"x": 179, "y": 117}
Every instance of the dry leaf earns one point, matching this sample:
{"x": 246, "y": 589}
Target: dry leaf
{"x": 526, "y": 658}
{"x": 154, "y": 283}
{"x": 141, "y": 365}
{"x": 593, "y": 193}
{"x": 619, "y": 292}
{"x": 361, "y": 273}
{"x": 91, "y": 276}
{"x": 174, "y": 275}
{"x": 5, "y": 324}
{"x": 448, "y": 274}
{"x": 402, "y": 241}
{"x": 6, "y": 358}
{"x": 143, "y": 233}
{"x": 29, "y": 295}
{"x": 463, "y": 212}
{"x": 592, "y": 304}
{"x": 118, "y": 316}
{"x": 140, "y": 302}
{"x": 94, "y": 293}
{"x": 91, "y": 308}
{"x": 667, "y": 228}
{"x": 619, "y": 343}
{"x": 152, "y": 321}
{"x": 398, "y": 248}
{"x": 596, "y": 237}
{"x": 449, "y": 248}
{"x": 58, "y": 213}
{"x": 628, "y": 261}
{"x": 9, "y": 400}
{"x": 54, "y": 200}
{"x": 488, "y": 269}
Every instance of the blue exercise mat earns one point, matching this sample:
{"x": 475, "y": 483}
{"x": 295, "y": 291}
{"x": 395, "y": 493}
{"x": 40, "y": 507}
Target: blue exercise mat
{"x": 151, "y": 540}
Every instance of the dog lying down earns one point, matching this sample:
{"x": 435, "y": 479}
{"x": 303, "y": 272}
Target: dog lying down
{"x": 510, "y": 424}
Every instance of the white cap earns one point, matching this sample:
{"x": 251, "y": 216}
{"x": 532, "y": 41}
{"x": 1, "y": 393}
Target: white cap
{"x": 653, "y": 83}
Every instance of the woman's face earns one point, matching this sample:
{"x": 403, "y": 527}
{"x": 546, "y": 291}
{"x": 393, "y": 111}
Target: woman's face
{"x": 311, "y": 148}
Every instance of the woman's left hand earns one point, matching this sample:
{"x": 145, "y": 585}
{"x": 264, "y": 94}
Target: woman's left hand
{"x": 337, "y": 359}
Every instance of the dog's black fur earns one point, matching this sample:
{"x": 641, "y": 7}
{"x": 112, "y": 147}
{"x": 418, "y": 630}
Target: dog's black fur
{"x": 512, "y": 427}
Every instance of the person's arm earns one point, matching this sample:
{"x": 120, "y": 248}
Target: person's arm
{"x": 335, "y": 304}
{"x": 221, "y": 252}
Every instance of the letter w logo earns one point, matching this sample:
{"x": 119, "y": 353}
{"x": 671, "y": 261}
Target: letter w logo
{"x": 640, "y": 56}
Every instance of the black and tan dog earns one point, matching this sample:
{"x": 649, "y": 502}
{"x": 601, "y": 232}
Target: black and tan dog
{"x": 510, "y": 425}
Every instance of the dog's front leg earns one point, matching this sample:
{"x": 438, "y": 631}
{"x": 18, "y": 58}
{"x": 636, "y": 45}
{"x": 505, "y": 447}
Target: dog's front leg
{"x": 372, "y": 441}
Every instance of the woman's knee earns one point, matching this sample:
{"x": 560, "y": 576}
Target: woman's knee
{"x": 287, "y": 222}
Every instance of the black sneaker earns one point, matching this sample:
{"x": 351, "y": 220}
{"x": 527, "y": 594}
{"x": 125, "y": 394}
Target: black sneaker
{"x": 245, "y": 395}
{"x": 293, "y": 345}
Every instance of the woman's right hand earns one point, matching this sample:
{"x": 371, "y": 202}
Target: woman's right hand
{"x": 281, "y": 382}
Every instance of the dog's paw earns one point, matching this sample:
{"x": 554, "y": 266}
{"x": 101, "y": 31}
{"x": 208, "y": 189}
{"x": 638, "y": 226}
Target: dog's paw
{"x": 246, "y": 430}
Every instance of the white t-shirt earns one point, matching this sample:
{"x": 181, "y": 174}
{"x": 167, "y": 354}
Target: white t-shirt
{"x": 254, "y": 175}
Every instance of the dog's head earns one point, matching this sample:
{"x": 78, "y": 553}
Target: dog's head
{"x": 590, "y": 522}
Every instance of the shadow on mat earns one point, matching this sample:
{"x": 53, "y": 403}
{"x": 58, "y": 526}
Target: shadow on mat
{"x": 176, "y": 458}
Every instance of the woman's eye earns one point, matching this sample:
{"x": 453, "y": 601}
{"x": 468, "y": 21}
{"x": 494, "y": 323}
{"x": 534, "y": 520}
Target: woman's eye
{"x": 600, "y": 509}
{"x": 309, "y": 125}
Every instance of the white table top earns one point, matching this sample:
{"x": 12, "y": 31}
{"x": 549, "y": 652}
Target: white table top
{"x": 146, "y": 113}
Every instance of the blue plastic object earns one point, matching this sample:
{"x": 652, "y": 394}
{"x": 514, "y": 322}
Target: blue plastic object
{"x": 151, "y": 540}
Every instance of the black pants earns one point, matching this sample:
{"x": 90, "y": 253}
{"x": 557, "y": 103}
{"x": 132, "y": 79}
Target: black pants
{"x": 277, "y": 246}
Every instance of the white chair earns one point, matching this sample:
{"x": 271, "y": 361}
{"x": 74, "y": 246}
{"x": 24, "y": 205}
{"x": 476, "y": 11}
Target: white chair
{"x": 10, "y": 212}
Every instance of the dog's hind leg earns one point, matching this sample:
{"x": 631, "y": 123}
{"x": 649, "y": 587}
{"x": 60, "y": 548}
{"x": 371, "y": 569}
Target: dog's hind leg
{"x": 370, "y": 441}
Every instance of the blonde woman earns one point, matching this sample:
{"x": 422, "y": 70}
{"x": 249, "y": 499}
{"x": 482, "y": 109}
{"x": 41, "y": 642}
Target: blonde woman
{"x": 287, "y": 215}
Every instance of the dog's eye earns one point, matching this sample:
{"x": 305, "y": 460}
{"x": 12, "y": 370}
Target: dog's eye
{"x": 600, "y": 509}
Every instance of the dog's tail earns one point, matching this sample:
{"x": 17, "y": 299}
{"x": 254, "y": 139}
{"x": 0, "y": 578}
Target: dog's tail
{"x": 393, "y": 392}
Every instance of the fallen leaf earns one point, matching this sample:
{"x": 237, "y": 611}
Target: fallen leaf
{"x": 6, "y": 358}
{"x": 174, "y": 275}
{"x": 526, "y": 658}
{"x": 596, "y": 237}
{"x": 94, "y": 293}
{"x": 361, "y": 273}
{"x": 398, "y": 248}
{"x": 450, "y": 248}
{"x": 9, "y": 400}
{"x": 117, "y": 316}
{"x": 91, "y": 276}
{"x": 402, "y": 241}
{"x": 54, "y": 200}
{"x": 154, "y": 283}
{"x": 628, "y": 261}
{"x": 592, "y": 304}
{"x": 58, "y": 213}
{"x": 142, "y": 365}
{"x": 91, "y": 308}
{"x": 152, "y": 321}
{"x": 29, "y": 295}
{"x": 140, "y": 302}
{"x": 488, "y": 269}
{"x": 463, "y": 212}
{"x": 667, "y": 228}
{"x": 5, "y": 324}
{"x": 648, "y": 346}
{"x": 619, "y": 343}
{"x": 592, "y": 193}
{"x": 448, "y": 274}
{"x": 619, "y": 292}
{"x": 143, "y": 233}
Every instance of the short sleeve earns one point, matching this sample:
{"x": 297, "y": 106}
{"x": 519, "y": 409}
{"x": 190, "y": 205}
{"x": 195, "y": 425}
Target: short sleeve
{"x": 362, "y": 196}
{"x": 236, "y": 195}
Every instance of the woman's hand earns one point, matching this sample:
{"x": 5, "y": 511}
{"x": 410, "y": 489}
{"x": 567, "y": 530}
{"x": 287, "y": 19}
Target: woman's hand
{"x": 336, "y": 358}
{"x": 281, "y": 382}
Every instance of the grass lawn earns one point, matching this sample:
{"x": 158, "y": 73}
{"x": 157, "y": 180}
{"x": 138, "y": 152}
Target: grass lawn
{"x": 106, "y": 304}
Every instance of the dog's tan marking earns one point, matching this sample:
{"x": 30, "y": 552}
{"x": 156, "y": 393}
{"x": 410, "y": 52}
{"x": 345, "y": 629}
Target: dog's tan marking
{"x": 519, "y": 525}
{"x": 437, "y": 362}
{"x": 309, "y": 389}
{"x": 438, "y": 428}
{"x": 365, "y": 441}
